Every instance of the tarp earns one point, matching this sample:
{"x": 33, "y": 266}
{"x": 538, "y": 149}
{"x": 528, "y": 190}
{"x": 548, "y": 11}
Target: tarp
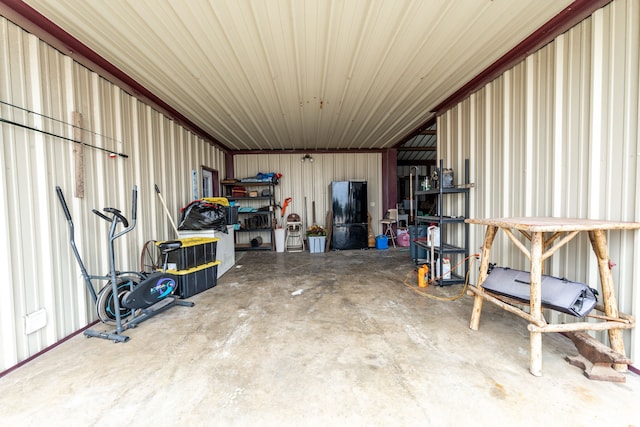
{"x": 563, "y": 295}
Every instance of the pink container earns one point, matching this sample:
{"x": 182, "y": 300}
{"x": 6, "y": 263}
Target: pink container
{"x": 403, "y": 238}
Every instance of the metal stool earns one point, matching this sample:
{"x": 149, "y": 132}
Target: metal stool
{"x": 390, "y": 219}
{"x": 293, "y": 238}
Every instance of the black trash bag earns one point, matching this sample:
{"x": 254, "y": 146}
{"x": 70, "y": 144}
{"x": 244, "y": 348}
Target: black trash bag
{"x": 202, "y": 215}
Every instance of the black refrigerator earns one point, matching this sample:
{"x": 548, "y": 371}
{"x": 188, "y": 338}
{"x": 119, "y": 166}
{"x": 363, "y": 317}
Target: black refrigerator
{"x": 350, "y": 220}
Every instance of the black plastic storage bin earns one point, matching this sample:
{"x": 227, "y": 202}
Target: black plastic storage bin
{"x": 231, "y": 212}
{"x": 196, "y": 280}
{"x": 195, "y": 251}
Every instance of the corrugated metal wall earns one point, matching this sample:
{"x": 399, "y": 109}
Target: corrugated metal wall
{"x": 39, "y": 271}
{"x": 557, "y": 135}
{"x": 308, "y": 182}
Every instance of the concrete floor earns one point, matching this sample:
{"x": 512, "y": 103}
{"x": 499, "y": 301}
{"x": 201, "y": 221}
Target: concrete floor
{"x": 294, "y": 339}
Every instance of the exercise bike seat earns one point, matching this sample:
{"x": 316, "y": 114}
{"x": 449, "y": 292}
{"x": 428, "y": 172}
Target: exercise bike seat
{"x": 169, "y": 245}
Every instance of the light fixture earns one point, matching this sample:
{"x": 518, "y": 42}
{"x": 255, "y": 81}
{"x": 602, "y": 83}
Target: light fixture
{"x": 307, "y": 157}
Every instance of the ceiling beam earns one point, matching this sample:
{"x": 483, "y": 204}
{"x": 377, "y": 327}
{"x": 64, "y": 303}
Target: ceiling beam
{"x": 311, "y": 152}
{"x": 431, "y": 148}
{"x": 416, "y": 162}
{"x": 418, "y": 131}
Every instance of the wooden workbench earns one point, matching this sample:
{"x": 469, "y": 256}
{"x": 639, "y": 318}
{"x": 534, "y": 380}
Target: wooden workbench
{"x": 546, "y": 236}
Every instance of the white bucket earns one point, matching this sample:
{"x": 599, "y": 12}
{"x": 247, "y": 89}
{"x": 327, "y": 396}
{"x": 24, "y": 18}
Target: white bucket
{"x": 435, "y": 232}
{"x": 446, "y": 268}
{"x": 280, "y": 234}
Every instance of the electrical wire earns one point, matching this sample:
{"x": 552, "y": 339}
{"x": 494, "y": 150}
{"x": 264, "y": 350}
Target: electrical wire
{"x": 417, "y": 290}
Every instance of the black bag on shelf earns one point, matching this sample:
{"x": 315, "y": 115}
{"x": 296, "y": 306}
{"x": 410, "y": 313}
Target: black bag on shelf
{"x": 203, "y": 215}
{"x": 574, "y": 298}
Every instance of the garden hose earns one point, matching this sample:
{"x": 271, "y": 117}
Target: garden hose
{"x": 413, "y": 274}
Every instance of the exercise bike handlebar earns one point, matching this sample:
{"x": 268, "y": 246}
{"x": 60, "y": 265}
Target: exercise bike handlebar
{"x": 63, "y": 202}
{"x": 117, "y": 214}
{"x": 134, "y": 204}
{"x": 72, "y": 242}
{"x": 101, "y": 215}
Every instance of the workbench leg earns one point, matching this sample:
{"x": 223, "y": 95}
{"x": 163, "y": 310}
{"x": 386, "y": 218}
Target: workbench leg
{"x": 490, "y": 234}
{"x": 599, "y": 244}
{"x": 535, "y": 305}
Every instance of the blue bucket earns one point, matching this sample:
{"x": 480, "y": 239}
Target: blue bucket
{"x": 382, "y": 242}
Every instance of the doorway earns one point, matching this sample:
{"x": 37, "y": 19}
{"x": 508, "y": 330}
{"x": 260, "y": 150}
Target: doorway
{"x": 210, "y": 182}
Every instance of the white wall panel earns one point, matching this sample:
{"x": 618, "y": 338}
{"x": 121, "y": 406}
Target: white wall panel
{"x": 38, "y": 267}
{"x": 305, "y": 181}
{"x": 557, "y": 135}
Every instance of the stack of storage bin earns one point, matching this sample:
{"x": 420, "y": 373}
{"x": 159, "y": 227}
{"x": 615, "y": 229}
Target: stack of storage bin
{"x": 195, "y": 265}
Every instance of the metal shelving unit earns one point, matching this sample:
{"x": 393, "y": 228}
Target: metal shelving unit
{"x": 455, "y": 253}
{"x": 257, "y": 223}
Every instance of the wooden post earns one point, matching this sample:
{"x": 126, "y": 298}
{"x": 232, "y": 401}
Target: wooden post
{"x": 535, "y": 337}
{"x": 78, "y": 155}
{"x": 599, "y": 244}
{"x": 490, "y": 234}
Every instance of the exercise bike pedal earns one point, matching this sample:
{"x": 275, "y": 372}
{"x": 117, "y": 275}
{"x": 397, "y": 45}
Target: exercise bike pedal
{"x": 166, "y": 303}
{"x": 160, "y": 305}
{"x": 158, "y": 308}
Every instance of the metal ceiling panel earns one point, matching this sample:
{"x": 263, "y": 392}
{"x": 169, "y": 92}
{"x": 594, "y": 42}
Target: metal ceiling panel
{"x": 291, "y": 74}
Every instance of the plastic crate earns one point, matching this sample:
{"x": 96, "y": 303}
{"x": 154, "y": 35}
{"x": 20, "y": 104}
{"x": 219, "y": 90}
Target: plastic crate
{"x": 316, "y": 244}
{"x": 196, "y": 280}
{"x": 194, "y": 252}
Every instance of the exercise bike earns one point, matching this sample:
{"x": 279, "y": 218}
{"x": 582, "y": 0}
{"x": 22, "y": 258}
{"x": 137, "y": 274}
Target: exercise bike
{"x": 129, "y": 297}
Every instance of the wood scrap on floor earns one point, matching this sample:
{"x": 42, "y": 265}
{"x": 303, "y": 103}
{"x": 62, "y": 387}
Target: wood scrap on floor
{"x": 329, "y": 227}
{"x": 596, "y": 359}
{"x": 372, "y": 237}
